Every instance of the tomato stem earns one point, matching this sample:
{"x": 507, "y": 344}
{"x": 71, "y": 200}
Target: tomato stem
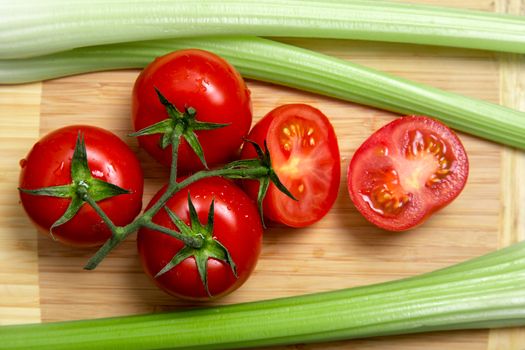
{"x": 175, "y": 141}
{"x": 110, "y": 244}
{"x": 145, "y": 220}
{"x": 86, "y": 197}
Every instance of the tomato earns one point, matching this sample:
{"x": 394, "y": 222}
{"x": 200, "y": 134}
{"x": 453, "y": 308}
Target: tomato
{"x": 49, "y": 164}
{"x": 406, "y": 171}
{"x": 305, "y": 156}
{"x": 236, "y": 225}
{"x": 205, "y": 82}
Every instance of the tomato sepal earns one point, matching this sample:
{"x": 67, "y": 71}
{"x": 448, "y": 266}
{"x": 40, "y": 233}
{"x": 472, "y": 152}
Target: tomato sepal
{"x": 72, "y": 210}
{"x": 263, "y": 161}
{"x": 60, "y": 191}
{"x": 179, "y": 124}
{"x": 209, "y": 248}
{"x": 266, "y": 160}
{"x": 99, "y": 190}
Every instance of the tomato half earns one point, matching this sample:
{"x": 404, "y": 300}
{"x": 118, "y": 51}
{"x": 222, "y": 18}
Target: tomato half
{"x": 406, "y": 171}
{"x": 205, "y": 82}
{"x": 49, "y": 164}
{"x": 237, "y": 226}
{"x": 305, "y": 156}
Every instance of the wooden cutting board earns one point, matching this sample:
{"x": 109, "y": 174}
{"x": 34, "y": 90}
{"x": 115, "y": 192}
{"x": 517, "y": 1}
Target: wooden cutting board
{"x": 43, "y": 281}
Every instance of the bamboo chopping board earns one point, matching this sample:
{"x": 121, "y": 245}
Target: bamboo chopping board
{"x": 43, "y": 281}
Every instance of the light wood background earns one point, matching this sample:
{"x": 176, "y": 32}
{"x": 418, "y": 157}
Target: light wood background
{"x": 43, "y": 281}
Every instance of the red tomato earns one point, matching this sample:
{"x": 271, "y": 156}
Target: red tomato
{"x": 305, "y": 156}
{"x": 109, "y": 159}
{"x": 237, "y": 226}
{"x": 406, "y": 171}
{"x": 209, "y": 84}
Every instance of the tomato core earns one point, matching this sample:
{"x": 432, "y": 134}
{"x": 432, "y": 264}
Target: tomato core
{"x": 296, "y": 145}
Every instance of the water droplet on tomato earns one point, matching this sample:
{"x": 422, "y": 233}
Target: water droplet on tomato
{"x": 59, "y": 169}
{"x": 110, "y": 170}
{"x": 23, "y": 163}
{"x": 97, "y": 173}
{"x": 203, "y": 86}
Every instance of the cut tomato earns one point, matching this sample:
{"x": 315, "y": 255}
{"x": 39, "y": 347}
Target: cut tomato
{"x": 305, "y": 156}
{"x": 406, "y": 171}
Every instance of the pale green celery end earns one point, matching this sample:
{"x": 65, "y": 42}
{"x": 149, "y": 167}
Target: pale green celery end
{"x": 284, "y": 64}
{"x": 31, "y": 28}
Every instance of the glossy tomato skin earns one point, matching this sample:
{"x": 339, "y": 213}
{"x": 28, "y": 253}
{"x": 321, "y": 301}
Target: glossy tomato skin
{"x": 305, "y": 155}
{"x": 206, "y": 82}
{"x": 49, "y": 164}
{"x": 237, "y": 226}
{"x": 406, "y": 171}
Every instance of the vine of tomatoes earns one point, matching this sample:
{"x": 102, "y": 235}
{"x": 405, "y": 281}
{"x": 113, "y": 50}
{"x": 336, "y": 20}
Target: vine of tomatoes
{"x": 200, "y": 236}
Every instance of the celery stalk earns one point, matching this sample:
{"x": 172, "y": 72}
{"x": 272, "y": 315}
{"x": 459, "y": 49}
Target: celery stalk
{"x": 287, "y": 65}
{"x": 30, "y": 28}
{"x": 486, "y": 292}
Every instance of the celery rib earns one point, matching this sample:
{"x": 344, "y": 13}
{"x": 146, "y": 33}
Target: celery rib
{"x": 31, "y": 28}
{"x": 283, "y": 64}
{"x": 486, "y": 292}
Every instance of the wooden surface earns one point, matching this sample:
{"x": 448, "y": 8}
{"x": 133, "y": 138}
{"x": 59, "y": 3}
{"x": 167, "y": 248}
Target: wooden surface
{"x": 43, "y": 281}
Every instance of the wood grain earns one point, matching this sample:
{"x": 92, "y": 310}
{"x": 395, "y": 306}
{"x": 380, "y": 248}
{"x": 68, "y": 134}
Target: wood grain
{"x": 19, "y": 289}
{"x": 512, "y": 94}
{"x": 342, "y": 250}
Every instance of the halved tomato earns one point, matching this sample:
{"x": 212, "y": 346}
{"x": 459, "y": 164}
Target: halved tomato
{"x": 305, "y": 156}
{"x": 406, "y": 171}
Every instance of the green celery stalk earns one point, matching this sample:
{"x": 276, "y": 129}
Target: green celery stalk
{"x": 279, "y": 63}
{"x": 486, "y": 292}
{"x": 30, "y": 28}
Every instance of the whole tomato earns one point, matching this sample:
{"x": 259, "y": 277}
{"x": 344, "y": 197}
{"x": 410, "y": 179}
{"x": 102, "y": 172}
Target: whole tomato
{"x": 207, "y": 84}
{"x": 109, "y": 159}
{"x": 236, "y": 226}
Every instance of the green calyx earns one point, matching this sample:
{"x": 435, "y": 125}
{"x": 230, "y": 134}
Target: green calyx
{"x": 209, "y": 248}
{"x": 263, "y": 160}
{"x": 83, "y": 187}
{"x": 179, "y": 124}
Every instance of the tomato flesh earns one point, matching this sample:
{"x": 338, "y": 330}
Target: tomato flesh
{"x": 406, "y": 171}
{"x": 305, "y": 156}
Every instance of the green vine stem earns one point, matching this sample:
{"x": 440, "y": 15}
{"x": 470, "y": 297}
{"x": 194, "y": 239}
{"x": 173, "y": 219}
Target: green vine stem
{"x": 100, "y": 212}
{"x": 180, "y": 125}
{"x": 177, "y": 126}
{"x": 120, "y": 233}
